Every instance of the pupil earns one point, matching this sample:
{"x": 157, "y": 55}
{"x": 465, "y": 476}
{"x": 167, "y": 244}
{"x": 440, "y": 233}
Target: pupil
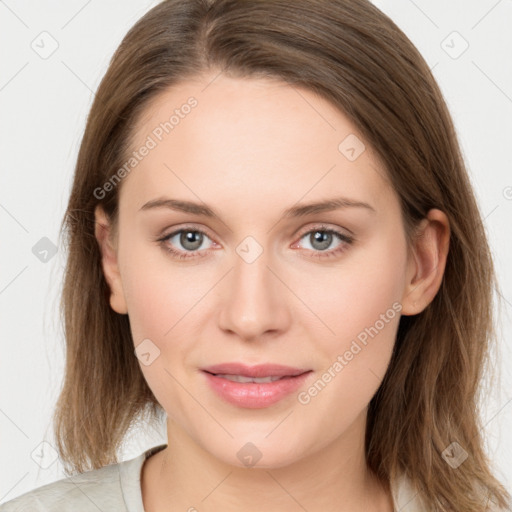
{"x": 191, "y": 237}
{"x": 324, "y": 239}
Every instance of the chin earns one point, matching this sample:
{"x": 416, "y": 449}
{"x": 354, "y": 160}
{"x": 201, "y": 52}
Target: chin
{"x": 256, "y": 455}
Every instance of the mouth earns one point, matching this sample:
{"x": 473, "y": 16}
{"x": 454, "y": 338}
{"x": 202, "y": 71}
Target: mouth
{"x": 243, "y": 378}
{"x": 257, "y": 371}
{"x": 254, "y": 387}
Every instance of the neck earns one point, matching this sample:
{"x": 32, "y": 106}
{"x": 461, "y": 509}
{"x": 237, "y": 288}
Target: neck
{"x": 334, "y": 477}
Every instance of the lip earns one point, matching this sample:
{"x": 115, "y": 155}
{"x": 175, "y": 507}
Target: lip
{"x": 252, "y": 395}
{"x": 259, "y": 370}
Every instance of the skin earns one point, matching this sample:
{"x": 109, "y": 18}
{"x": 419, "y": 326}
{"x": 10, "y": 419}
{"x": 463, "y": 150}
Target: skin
{"x": 250, "y": 149}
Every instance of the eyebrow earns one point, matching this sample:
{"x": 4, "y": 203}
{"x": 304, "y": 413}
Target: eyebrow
{"x": 300, "y": 210}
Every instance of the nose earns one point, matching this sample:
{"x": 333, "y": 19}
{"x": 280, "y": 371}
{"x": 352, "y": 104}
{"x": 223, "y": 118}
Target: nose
{"x": 254, "y": 302}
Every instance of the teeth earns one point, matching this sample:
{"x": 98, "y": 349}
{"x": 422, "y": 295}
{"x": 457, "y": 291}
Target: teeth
{"x": 242, "y": 378}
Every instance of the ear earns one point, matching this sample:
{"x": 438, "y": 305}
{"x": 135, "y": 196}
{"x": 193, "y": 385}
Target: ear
{"x": 103, "y": 233}
{"x": 427, "y": 262}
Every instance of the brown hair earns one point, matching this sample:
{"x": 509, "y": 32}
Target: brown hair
{"x": 354, "y": 56}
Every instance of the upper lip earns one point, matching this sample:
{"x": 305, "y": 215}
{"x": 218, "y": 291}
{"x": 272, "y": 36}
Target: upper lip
{"x": 259, "y": 370}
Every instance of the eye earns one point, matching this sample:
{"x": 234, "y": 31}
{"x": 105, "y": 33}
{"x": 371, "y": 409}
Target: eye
{"x": 190, "y": 239}
{"x": 192, "y": 242}
{"x": 321, "y": 238}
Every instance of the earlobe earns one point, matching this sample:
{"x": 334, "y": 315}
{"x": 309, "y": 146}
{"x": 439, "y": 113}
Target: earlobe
{"x": 102, "y": 231}
{"x": 427, "y": 262}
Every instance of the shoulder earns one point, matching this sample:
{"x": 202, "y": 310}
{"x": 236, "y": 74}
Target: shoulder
{"x": 97, "y": 489}
{"x": 405, "y": 497}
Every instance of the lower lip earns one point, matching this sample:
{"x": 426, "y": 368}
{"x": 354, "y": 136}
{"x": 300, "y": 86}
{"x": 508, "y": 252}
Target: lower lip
{"x": 252, "y": 395}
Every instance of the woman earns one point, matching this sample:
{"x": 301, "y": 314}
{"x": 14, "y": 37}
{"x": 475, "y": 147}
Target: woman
{"x": 274, "y": 242}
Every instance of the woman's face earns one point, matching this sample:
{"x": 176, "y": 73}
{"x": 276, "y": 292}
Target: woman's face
{"x": 318, "y": 289}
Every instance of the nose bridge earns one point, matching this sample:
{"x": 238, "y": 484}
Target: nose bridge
{"x": 255, "y": 301}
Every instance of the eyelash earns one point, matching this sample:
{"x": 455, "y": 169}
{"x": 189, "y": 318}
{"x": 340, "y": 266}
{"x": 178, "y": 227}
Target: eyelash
{"x": 318, "y": 254}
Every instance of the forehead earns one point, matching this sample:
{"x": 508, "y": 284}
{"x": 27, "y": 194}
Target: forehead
{"x": 246, "y": 138}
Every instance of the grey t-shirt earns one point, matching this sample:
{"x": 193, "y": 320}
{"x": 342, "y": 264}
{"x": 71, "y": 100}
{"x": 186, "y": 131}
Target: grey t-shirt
{"x": 116, "y": 488}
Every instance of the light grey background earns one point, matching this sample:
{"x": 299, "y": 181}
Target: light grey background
{"x": 44, "y": 100}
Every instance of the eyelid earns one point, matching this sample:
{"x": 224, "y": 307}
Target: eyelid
{"x": 188, "y": 227}
{"x": 321, "y": 226}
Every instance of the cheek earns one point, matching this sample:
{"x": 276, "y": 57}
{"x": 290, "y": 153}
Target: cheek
{"x": 353, "y": 295}
{"x": 160, "y": 296}
{"x": 362, "y": 309}
{"x": 160, "y": 300}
